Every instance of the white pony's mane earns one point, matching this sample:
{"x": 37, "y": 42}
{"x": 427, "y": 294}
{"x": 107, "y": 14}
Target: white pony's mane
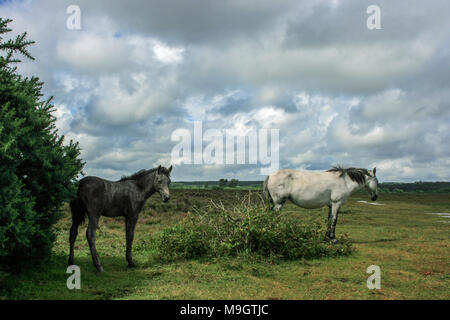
{"x": 356, "y": 174}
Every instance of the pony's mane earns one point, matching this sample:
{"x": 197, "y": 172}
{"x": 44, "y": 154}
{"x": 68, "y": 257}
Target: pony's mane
{"x": 356, "y": 174}
{"x": 143, "y": 172}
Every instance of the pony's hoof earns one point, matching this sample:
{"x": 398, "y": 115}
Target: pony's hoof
{"x": 332, "y": 238}
{"x": 100, "y": 269}
{"x": 132, "y": 265}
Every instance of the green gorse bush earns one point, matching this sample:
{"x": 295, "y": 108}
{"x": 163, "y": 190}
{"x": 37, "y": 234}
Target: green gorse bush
{"x": 37, "y": 170}
{"x": 248, "y": 228}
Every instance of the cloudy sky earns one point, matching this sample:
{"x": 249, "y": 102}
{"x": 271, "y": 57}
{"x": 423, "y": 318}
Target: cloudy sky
{"x": 338, "y": 92}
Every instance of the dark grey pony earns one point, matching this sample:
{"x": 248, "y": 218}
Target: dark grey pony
{"x": 126, "y": 197}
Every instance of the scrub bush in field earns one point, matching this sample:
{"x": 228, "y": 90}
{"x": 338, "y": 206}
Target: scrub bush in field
{"x": 250, "y": 228}
{"x": 182, "y": 241}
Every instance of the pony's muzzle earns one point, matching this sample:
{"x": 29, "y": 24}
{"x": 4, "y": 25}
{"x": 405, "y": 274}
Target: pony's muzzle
{"x": 165, "y": 198}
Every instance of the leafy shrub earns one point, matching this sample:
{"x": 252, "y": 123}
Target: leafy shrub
{"x": 37, "y": 171}
{"x": 182, "y": 241}
{"x": 248, "y": 228}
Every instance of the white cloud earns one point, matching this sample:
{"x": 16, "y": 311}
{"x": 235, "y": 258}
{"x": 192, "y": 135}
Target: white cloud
{"x": 93, "y": 53}
{"x": 116, "y": 105}
{"x": 166, "y": 54}
{"x": 63, "y": 118}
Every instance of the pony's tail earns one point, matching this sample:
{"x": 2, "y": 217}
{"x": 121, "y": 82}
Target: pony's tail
{"x": 78, "y": 212}
{"x": 266, "y": 192}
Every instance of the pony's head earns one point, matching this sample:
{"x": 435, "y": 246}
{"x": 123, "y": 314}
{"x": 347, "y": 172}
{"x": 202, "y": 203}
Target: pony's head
{"x": 372, "y": 184}
{"x": 162, "y": 182}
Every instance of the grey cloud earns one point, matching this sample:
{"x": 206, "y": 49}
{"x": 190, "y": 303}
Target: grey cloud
{"x": 191, "y": 22}
{"x": 340, "y": 93}
{"x": 322, "y": 23}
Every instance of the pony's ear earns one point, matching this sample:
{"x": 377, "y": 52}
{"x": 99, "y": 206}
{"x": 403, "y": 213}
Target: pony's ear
{"x": 159, "y": 169}
{"x": 374, "y": 170}
{"x": 170, "y": 169}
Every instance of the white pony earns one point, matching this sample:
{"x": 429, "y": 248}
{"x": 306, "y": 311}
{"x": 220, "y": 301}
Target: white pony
{"x": 316, "y": 189}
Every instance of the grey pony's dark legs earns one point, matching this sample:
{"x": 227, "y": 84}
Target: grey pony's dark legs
{"x": 130, "y": 224}
{"x": 332, "y": 221}
{"x": 90, "y": 235}
{"x": 72, "y": 237}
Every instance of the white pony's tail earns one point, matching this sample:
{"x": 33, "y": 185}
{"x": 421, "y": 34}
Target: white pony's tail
{"x": 266, "y": 192}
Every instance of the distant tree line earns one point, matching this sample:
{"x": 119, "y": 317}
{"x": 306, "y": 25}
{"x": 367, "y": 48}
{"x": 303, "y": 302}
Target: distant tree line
{"x": 418, "y": 186}
{"x": 233, "y": 183}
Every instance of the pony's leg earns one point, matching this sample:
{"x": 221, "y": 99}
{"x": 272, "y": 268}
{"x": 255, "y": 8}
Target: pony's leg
{"x": 332, "y": 221}
{"x": 72, "y": 237}
{"x": 90, "y": 235}
{"x": 130, "y": 224}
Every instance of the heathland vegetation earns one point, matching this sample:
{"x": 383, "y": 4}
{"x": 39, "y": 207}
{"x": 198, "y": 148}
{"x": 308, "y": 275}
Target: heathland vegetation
{"x": 410, "y": 245}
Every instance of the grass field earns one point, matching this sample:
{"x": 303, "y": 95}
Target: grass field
{"x": 411, "y": 247}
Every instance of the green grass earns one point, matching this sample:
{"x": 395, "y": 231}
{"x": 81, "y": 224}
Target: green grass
{"x": 411, "y": 247}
